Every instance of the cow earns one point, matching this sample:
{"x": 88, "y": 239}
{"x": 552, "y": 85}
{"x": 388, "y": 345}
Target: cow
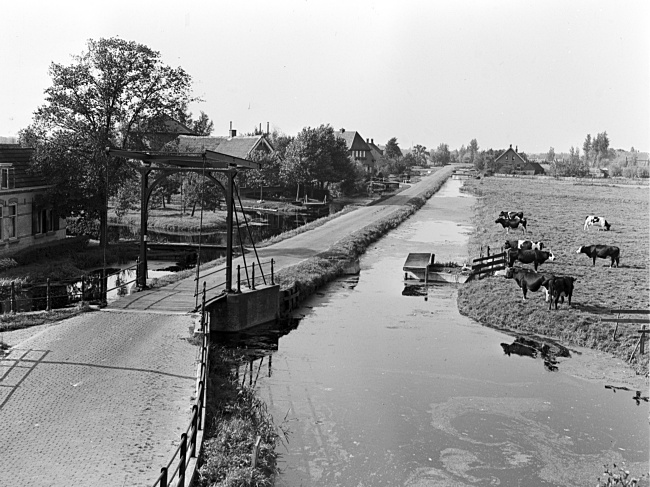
{"x": 508, "y": 224}
{"x": 601, "y": 252}
{"x": 523, "y": 245}
{"x": 512, "y": 215}
{"x": 535, "y": 257}
{"x": 558, "y": 288}
{"x": 529, "y": 280}
{"x": 597, "y": 220}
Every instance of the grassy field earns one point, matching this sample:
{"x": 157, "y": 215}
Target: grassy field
{"x": 556, "y": 211}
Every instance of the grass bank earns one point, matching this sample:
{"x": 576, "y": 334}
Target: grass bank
{"x": 556, "y": 211}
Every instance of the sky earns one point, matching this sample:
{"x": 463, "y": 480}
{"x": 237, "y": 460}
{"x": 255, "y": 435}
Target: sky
{"x": 528, "y": 73}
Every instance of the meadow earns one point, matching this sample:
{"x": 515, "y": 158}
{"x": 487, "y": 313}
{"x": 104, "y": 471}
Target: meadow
{"x": 555, "y": 211}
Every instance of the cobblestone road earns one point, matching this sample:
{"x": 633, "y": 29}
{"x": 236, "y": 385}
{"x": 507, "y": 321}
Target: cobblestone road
{"x": 98, "y": 400}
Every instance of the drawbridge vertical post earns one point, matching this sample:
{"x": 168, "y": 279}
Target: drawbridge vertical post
{"x": 141, "y": 272}
{"x": 231, "y": 173}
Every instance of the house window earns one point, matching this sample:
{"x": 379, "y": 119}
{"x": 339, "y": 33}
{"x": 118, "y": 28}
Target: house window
{"x": 9, "y": 221}
{"x": 7, "y": 178}
{"x": 44, "y": 220}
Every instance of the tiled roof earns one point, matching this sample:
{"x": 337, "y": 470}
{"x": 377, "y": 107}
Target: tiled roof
{"x": 240, "y": 146}
{"x": 20, "y": 158}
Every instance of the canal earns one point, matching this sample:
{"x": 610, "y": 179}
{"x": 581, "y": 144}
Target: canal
{"x": 377, "y": 388}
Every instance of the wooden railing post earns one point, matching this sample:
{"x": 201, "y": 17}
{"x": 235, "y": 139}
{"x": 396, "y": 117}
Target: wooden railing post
{"x": 163, "y": 477}
{"x": 195, "y": 416}
{"x": 643, "y": 331}
{"x": 253, "y": 278}
{"x": 83, "y": 289}
{"x": 272, "y": 277}
{"x": 48, "y": 296}
{"x": 13, "y": 297}
{"x": 182, "y": 460}
{"x": 238, "y": 278}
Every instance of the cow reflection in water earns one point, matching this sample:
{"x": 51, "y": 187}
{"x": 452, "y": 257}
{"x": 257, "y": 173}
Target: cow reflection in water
{"x": 532, "y": 348}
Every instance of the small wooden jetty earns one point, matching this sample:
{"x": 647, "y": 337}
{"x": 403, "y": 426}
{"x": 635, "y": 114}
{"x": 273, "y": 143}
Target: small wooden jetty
{"x": 421, "y": 266}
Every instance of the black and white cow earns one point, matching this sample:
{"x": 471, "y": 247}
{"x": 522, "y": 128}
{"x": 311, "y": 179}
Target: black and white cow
{"x": 508, "y": 224}
{"x": 535, "y": 257}
{"x": 529, "y": 280}
{"x": 598, "y": 221}
{"x": 512, "y": 215}
{"x": 523, "y": 245}
{"x": 601, "y": 252}
{"x": 558, "y": 288}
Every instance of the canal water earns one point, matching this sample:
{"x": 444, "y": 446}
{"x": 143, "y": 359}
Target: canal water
{"x": 377, "y": 388}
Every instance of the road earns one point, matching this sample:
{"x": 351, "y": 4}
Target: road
{"x": 102, "y": 398}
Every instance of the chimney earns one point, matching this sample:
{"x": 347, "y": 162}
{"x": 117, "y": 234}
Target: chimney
{"x": 367, "y": 141}
{"x": 232, "y": 132}
{"x": 342, "y": 131}
{"x": 267, "y": 128}
{"x": 372, "y": 141}
{"x": 511, "y": 146}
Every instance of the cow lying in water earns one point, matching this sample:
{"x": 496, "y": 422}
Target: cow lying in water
{"x": 528, "y": 280}
{"x": 601, "y": 252}
{"x": 523, "y": 245}
{"x": 558, "y": 288}
{"x": 512, "y": 215}
{"x": 535, "y": 257}
{"x": 508, "y": 224}
{"x": 597, "y": 220}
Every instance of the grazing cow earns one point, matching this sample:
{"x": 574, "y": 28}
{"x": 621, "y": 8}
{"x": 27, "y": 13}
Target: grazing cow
{"x": 512, "y": 215}
{"x": 601, "y": 252}
{"x": 523, "y": 245}
{"x": 508, "y": 224}
{"x": 535, "y": 257}
{"x": 558, "y": 288}
{"x": 529, "y": 280}
{"x": 597, "y": 220}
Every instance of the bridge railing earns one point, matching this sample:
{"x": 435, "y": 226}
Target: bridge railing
{"x": 250, "y": 275}
{"x": 182, "y": 467}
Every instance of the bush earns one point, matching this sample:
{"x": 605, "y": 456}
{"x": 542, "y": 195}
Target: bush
{"x": 80, "y": 225}
{"x": 642, "y": 172}
{"x": 51, "y": 251}
{"x": 629, "y": 172}
{"x": 615, "y": 170}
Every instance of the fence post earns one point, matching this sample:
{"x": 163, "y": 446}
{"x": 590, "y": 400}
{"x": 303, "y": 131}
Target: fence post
{"x": 137, "y": 271}
{"x": 253, "y": 278}
{"x": 238, "y": 278}
{"x": 163, "y": 477}
{"x": 203, "y": 310}
{"x": 83, "y": 289}
{"x": 13, "y": 297}
{"x": 195, "y": 412}
{"x": 643, "y": 331}
{"x": 272, "y": 278}
{"x": 182, "y": 460}
{"x": 103, "y": 289}
{"x": 48, "y": 296}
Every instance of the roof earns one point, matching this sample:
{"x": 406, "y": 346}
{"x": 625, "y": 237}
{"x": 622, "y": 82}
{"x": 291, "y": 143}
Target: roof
{"x": 20, "y": 159}
{"x": 241, "y": 146}
{"x": 353, "y": 140}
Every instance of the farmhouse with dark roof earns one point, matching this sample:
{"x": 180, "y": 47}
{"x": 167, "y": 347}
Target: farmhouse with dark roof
{"x": 511, "y": 162}
{"x": 358, "y": 149}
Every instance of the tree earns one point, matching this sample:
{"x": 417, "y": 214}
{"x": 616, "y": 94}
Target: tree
{"x": 473, "y": 150}
{"x": 420, "y": 153}
{"x": 441, "y": 156}
{"x": 550, "y": 156}
{"x": 392, "y": 150}
{"x": 316, "y": 155}
{"x": 103, "y": 99}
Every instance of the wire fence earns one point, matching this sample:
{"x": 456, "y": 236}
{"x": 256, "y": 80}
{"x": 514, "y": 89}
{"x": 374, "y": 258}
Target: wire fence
{"x": 49, "y": 294}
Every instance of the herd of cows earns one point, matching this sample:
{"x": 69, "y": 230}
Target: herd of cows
{"x": 529, "y": 252}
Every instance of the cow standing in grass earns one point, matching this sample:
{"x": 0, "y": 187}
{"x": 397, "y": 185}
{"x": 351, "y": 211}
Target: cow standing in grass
{"x": 601, "y": 252}
{"x": 599, "y": 221}
{"x": 508, "y": 224}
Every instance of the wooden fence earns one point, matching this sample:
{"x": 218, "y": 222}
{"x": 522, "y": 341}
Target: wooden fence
{"x": 640, "y": 345}
{"x": 487, "y": 265}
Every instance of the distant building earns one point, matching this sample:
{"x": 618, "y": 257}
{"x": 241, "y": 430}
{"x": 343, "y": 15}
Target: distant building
{"x": 24, "y": 219}
{"x": 358, "y": 149}
{"x": 511, "y": 162}
{"x": 238, "y": 146}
